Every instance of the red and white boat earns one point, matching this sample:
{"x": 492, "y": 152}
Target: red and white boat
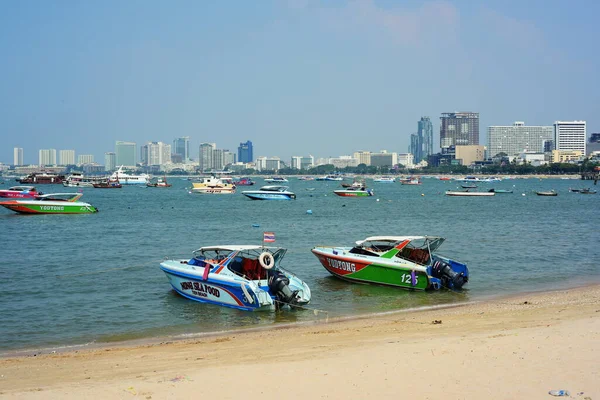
{"x": 20, "y": 192}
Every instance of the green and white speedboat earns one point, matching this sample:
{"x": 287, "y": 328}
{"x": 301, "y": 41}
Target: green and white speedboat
{"x": 54, "y": 203}
{"x": 408, "y": 262}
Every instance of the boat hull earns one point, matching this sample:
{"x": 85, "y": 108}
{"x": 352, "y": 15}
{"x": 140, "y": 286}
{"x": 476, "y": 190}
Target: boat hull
{"x": 470, "y": 194}
{"x": 362, "y": 270}
{"x": 213, "y": 190}
{"x": 269, "y": 196}
{"x": 49, "y": 207}
{"x": 353, "y": 193}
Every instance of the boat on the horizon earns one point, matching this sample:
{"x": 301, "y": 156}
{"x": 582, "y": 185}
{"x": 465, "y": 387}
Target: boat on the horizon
{"x": 410, "y": 181}
{"x": 276, "y": 179}
{"x": 125, "y": 178}
{"x": 384, "y": 179}
{"x": 159, "y": 182}
{"x": 408, "y": 262}
{"x": 271, "y": 192}
{"x": 213, "y": 185}
{"x": 330, "y": 177}
{"x": 468, "y": 193}
{"x": 20, "y": 192}
{"x": 43, "y": 178}
{"x": 245, "y": 277}
{"x": 52, "y": 203}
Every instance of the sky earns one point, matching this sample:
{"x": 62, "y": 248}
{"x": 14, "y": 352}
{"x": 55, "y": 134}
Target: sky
{"x": 296, "y": 77}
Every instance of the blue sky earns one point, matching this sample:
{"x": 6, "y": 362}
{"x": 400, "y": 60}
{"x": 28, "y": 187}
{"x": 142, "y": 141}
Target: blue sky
{"x": 296, "y": 77}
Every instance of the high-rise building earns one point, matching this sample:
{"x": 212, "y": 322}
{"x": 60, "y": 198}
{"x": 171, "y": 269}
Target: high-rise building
{"x": 110, "y": 161}
{"x": 18, "y": 156}
{"x": 47, "y": 157}
{"x": 125, "y": 153}
{"x": 307, "y": 162}
{"x": 513, "y": 140}
{"x": 459, "y": 129}
{"x": 363, "y": 157}
{"x": 84, "y": 159}
{"x": 296, "y": 162}
{"x": 155, "y": 153}
{"x": 181, "y": 147}
{"x": 425, "y": 132}
{"x": 66, "y": 157}
{"x": 416, "y": 146}
{"x": 205, "y": 159}
{"x": 570, "y": 135}
{"x": 245, "y": 152}
{"x": 384, "y": 159}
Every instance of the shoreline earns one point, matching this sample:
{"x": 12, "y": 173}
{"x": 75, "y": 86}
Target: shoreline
{"x": 522, "y": 345}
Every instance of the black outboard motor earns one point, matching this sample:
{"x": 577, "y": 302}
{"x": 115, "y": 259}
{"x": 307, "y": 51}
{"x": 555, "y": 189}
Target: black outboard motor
{"x": 278, "y": 284}
{"x": 450, "y": 279}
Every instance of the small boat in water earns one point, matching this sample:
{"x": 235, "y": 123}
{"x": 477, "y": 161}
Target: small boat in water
{"x": 212, "y": 185}
{"x": 276, "y": 179}
{"x": 41, "y": 178}
{"x": 108, "y": 184}
{"x": 354, "y": 192}
{"x": 129, "y": 179}
{"x": 384, "y": 179}
{"x": 272, "y": 192}
{"x": 587, "y": 191}
{"x": 468, "y": 193}
{"x": 245, "y": 277}
{"x": 159, "y": 182}
{"x": 54, "y": 203}
{"x": 244, "y": 182}
{"x": 409, "y": 262}
{"x": 469, "y": 186}
{"x": 500, "y": 191}
{"x": 20, "y": 192}
{"x": 547, "y": 193}
{"x": 77, "y": 179}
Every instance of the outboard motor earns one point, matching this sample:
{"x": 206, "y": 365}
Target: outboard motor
{"x": 278, "y": 284}
{"x": 450, "y": 279}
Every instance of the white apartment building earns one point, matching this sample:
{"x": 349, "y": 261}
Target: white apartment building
{"x": 18, "y": 156}
{"x": 83, "y": 159}
{"x": 570, "y": 136}
{"x": 514, "y": 140}
{"x": 66, "y": 157}
{"x": 363, "y": 157}
{"x": 406, "y": 159}
{"x": 47, "y": 157}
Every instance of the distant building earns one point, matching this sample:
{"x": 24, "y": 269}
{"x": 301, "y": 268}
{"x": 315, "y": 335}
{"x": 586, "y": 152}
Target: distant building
{"x": 245, "y": 152}
{"x": 296, "y": 162}
{"x": 181, "y": 147}
{"x": 514, "y": 140}
{"x": 406, "y": 159}
{"x": 110, "y": 161}
{"x": 84, "y": 159}
{"x": 307, "y": 162}
{"x": 47, "y": 157}
{"x": 343, "y": 161}
{"x": 205, "y": 159}
{"x": 155, "y": 153}
{"x": 566, "y": 156}
{"x": 469, "y": 154}
{"x": 384, "y": 159}
{"x": 66, "y": 157}
{"x": 125, "y": 153}
{"x": 421, "y": 143}
{"x": 18, "y": 156}
{"x": 459, "y": 129}
{"x": 570, "y": 136}
{"x": 593, "y": 145}
{"x": 363, "y": 157}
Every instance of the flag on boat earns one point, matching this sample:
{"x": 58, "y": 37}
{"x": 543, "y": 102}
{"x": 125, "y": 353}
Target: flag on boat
{"x": 268, "y": 236}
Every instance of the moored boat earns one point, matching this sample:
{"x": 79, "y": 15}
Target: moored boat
{"x": 245, "y": 277}
{"x": 468, "y": 193}
{"x": 77, "y": 179}
{"x": 276, "y": 179}
{"x": 410, "y": 181}
{"x": 384, "y": 179}
{"x": 271, "y": 192}
{"x": 41, "y": 178}
{"x": 409, "y": 262}
{"x": 330, "y": 177}
{"x": 108, "y": 184}
{"x": 547, "y": 193}
{"x": 212, "y": 185}
{"x": 53, "y": 203}
{"x": 20, "y": 192}
{"x": 244, "y": 182}
{"x": 501, "y": 191}
{"x": 125, "y": 178}
{"x": 159, "y": 182}
{"x": 587, "y": 191}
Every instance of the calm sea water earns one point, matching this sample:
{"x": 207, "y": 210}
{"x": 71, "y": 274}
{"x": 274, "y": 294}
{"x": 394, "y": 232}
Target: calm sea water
{"x": 69, "y": 280}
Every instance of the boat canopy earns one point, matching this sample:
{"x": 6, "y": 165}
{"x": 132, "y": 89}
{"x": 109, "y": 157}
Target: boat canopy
{"x": 71, "y": 197}
{"x": 236, "y": 247}
{"x": 433, "y": 242}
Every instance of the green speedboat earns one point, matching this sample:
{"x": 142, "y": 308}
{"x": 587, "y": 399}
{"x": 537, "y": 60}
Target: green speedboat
{"x": 409, "y": 262}
{"x": 54, "y": 203}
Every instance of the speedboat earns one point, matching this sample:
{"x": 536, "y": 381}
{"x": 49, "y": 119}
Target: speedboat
{"x": 384, "y": 179}
{"x": 330, "y": 177}
{"x": 410, "y": 181}
{"x": 212, "y": 185}
{"x": 20, "y": 192}
{"x": 468, "y": 193}
{"x": 276, "y": 179}
{"x": 353, "y": 191}
{"x": 129, "y": 179}
{"x": 54, "y": 203}
{"x": 409, "y": 262}
{"x": 547, "y": 193}
{"x": 160, "y": 182}
{"x": 272, "y": 192}
{"x": 245, "y": 277}
{"x": 244, "y": 182}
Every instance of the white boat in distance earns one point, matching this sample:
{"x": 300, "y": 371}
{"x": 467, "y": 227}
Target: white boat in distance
{"x": 273, "y": 192}
{"x": 276, "y": 179}
{"x": 467, "y": 193}
{"x": 127, "y": 179}
{"x": 212, "y": 185}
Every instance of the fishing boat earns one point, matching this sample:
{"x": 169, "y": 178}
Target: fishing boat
{"x": 54, "y": 203}
{"x": 41, "y": 178}
{"x": 108, "y": 184}
{"x": 212, "y": 185}
{"x": 276, "y": 179}
{"x": 129, "y": 179}
{"x": 410, "y": 181}
{"x": 159, "y": 182}
{"x": 272, "y": 192}
{"x": 547, "y": 193}
{"x": 468, "y": 193}
{"x": 384, "y": 179}
{"x": 20, "y": 192}
{"x": 245, "y": 277}
{"x": 409, "y": 262}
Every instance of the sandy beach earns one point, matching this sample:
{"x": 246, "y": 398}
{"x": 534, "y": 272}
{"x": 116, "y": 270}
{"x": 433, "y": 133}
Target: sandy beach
{"x": 520, "y": 347}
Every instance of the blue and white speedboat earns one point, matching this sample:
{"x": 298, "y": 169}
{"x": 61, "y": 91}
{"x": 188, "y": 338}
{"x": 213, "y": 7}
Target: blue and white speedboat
{"x": 273, "y": 192}
{"x": 245, "y": 277}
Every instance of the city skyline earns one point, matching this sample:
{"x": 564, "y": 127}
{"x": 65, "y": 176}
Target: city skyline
{"x": 290, "y": 76}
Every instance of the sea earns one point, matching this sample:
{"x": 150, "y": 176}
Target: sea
{"x": 73, "y": 281}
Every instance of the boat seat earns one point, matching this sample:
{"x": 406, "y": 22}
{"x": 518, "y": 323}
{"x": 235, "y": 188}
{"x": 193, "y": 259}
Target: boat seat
{"x": 252, "y": 269}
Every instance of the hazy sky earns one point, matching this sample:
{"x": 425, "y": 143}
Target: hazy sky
{"x": 297, "y": 77}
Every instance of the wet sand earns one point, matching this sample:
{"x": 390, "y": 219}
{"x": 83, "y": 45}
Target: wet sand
{"x": 512, "y": 348}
